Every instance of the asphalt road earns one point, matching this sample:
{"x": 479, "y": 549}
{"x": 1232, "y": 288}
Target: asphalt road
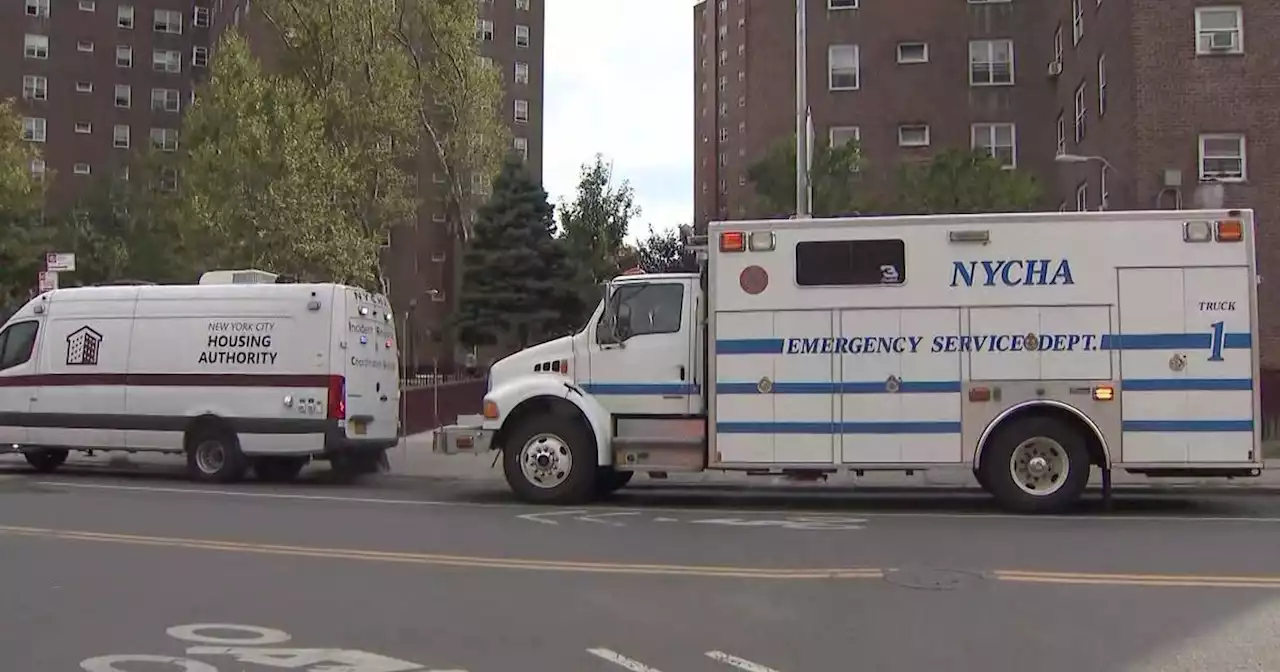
{"x": 401, "y": 575}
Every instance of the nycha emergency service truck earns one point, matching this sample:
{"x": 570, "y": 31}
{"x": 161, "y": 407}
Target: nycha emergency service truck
{"x": 1031, "y": 347}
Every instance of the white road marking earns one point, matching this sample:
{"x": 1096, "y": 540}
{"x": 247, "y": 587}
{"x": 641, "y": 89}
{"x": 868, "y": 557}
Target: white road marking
{"x": 348, "y": 660}
{"x": 593, "y": 518}
{"x": 110, "y": 663}
{"x": 740, "y": 663}
{"x": 793, "y": 523}
{"x": 665, "y": 520}
{"x": 1119, "y": 518}
{"x": 258, "y": 636}
{"x": 542, "y": 517}
{"x": 621, "y": 660}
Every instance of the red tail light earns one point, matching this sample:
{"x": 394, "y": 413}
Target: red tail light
{"x": 337, "y": 398}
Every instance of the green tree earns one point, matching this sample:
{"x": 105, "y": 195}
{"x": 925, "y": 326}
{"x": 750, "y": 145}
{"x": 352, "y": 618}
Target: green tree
{"x": 515, "y": 286}
{"x": 834, "y": 175}
{"x": 964, "y": 181}
{"x": 594, "y": 224}
{"x": 665, "y": 252}
{"x": 263, "y": 180}
{"x": 23, "y": 236}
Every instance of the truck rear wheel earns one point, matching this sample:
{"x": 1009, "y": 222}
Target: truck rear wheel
{"x": 45, "y": 461}
{"x": 550, "y": 460}
{"x": 1036, "y": 465}
{"x": 213, "y": 456}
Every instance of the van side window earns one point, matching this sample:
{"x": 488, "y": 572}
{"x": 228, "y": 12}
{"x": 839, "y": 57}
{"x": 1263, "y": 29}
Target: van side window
{"x": 16, "y": 344}
{"x": 656, "y": 307}
{"x": 843, "y": 263}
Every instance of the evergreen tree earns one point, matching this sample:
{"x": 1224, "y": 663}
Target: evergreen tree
{"x": 515, "y": 286}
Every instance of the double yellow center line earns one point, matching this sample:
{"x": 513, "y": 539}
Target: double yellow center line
{"x": 708, "y": 571}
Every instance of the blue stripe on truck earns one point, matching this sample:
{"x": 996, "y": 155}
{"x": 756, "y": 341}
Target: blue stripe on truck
{"x": 842, "y": 387}
{"x": 1202, "y": 341}
{"x": 1186, "y": 384}
{"x": 1184, "y": 426}
{"x": 905, "y": 427}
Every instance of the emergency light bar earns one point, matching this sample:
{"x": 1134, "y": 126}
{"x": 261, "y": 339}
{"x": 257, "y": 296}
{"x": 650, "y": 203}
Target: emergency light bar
{"x": 756, "y": 241}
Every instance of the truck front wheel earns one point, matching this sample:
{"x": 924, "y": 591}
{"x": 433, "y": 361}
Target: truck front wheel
{"x": 45, "y": 461}
{"x": 550, "y": 460}
{"x": 1037, "y": 464}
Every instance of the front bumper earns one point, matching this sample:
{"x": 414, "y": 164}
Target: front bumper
{"x": 454, "y": 439}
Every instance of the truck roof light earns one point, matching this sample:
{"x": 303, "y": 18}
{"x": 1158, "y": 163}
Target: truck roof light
{"x": 1197, "y": 232}
{"x": 733, "y": 241}
{"x": 761, "y": 241}
{"x": 1230, "y": 231}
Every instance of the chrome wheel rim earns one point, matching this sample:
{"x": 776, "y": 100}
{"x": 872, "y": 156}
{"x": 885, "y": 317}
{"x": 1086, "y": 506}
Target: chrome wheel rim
{"x": 545, "y": 461}
{"x": 211, "y": 456}
{"x": 1039, "y": 466}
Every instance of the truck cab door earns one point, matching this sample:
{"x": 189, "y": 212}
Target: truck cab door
{"x": 17, "y": 380}
{"x": 648, "y": 369}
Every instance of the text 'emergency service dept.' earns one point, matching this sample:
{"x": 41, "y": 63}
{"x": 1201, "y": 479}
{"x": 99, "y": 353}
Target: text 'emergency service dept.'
{"x": 874, "y": 345}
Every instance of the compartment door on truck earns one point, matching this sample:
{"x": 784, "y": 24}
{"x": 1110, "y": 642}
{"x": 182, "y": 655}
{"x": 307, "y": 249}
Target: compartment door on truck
{"x": 651, "y": 371}
{"x": 18, "y": 348}
{"x": 775, "y": 397}
{"x": 899, "y": 386}
{"x": 1186, "y": 365}
{"x": 370, "y": 365}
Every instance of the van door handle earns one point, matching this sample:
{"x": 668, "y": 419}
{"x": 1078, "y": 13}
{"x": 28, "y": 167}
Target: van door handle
{"x": 384, "y": 397}
{"x": 682, "y": 372}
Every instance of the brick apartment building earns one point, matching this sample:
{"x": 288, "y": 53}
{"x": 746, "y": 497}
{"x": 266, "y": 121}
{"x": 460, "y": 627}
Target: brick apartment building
{"x": 96, "y": 77}
{"x": 1160, "y": 96}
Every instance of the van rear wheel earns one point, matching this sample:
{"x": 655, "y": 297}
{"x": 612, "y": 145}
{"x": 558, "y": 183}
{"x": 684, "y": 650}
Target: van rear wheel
{"x": 45, "y": 461}
{"x": 214, "y": 456}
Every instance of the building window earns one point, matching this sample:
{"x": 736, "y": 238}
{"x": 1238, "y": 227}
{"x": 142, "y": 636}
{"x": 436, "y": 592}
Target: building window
{"x": 1104, "y": 191}
{"x": 124, "y": 56}
{"x": 522, "y": 111}
{"x": 120, "y": 136}
{"x": 522, "y": 72}
{"x": 35, "y": 87}
{"x": 84, "y": 127}
{"x": 840, "y": 136}
{"x": 998, "y": 141}
{"x": 991, "y": 62}
{"x": 124, "y": 96}
{"x": 837, "y": 263}
{"x": 200, "y": 18}
{"x": 199, "y": 57}
{"x": 167, "y": 100}
{"x": 842, "y": 4}
{"x": 34, "y": 129}
{"x": 35, "y": 46}
{"x": 522, "y": 5}
{"x": 168, "y": 179}
{"x": 1080, "y": 113}
{"x": 167, "y": 21}
{"x": 1082, "y": 197}
{"x": 479, "y": 185}
{"x": 166, "y": 60}
{"x": 522, "y": 36}
{"x": 84, "y": 87}
{"x": 1219, "y": 30}
{"x": 124, "y": 17}
{"x": 1102, "y": 85}
{"x": 1222, "y": 157}
{"x": 88, "y": 6}
{"x": 1077, "y": 21}
{"x": 913, "y": 135}
{"x": 1057, "y": 45}
{"x": 484, "y": 30}
{"x": 38, "y": 8}
{"x": 81, "y": 169}
{"x": 1062, "y": 134}
{"x": 85, "y": 45}
{"x": 843, "y": 71}
{"x": 521, "y": 147}
{"x": 724, "y": 135}
{"x": 913, "y": 52}
{"x": 164, "y": 139}
{"x": 38, "y": 168}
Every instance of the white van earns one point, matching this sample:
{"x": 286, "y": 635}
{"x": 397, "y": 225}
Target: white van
{"x": 234, "y": 376}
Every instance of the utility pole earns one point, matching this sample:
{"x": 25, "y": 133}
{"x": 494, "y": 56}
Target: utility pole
{"x": 803, "y": 193}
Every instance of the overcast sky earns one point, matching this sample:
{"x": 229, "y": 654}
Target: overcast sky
{"x": 620, "y": 82}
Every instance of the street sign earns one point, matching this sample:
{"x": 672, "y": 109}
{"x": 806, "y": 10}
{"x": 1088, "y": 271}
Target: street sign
{"x": 60, "y": 262}
{"x": 48, "y": 281}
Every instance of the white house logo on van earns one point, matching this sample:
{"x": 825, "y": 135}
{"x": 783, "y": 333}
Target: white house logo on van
{"x": 83, "y": 346}
{"x": 1011, "y": 272}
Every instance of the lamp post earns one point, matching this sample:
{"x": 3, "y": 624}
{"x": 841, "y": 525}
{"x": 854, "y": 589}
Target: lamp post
{"x": 1080, "y": 158}
{"x": 804, "y": 193}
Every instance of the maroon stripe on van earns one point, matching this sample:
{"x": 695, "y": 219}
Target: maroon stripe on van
{"x": 167, "y": 380}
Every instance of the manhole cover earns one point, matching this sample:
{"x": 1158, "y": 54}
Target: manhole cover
{"x": 931, "y": 579}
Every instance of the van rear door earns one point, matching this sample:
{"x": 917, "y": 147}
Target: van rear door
{"x": 370, "y": 366}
